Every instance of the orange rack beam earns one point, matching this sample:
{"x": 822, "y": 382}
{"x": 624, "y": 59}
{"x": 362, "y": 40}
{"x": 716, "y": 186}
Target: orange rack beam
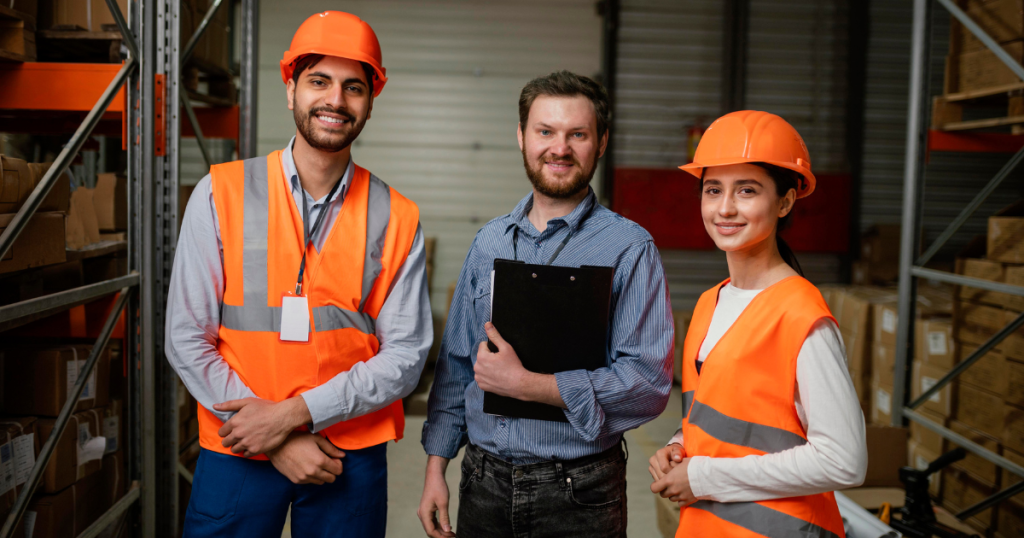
{"x": 67, "y": 87}
{"x": 974, "y": 142}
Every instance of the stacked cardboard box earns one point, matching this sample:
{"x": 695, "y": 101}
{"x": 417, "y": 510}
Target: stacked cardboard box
{"x": 42, "y": 241}
{"x": 879, "y": 256}
{"x": 90, "y": 15}
{"x": 214, "y": 47}
{"x": 77, "y": 485}
{"x": 990, "y": 393}
{"x": 972, "y": 66}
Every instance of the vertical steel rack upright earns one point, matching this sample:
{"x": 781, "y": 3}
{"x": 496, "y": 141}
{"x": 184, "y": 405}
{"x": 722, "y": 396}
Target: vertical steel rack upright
{"x": 912, "y": 265}
{"x": 151, "y": 74}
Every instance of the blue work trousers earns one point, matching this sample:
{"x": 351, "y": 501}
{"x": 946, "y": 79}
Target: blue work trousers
{"x": 234, "y": 496}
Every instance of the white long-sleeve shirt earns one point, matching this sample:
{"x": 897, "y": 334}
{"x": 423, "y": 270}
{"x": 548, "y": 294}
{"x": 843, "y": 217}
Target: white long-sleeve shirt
{"x": 404, "y": 326}
{"x": 835, "y": 456}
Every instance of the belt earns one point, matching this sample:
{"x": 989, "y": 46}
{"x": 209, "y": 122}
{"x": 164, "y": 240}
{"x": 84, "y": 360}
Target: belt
{"x": 481, "y": 461}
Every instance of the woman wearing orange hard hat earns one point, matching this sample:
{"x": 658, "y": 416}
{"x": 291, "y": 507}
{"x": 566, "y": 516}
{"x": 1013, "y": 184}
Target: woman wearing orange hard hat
{"x": 771, "y": 422}
{"x": 297, "y": 311}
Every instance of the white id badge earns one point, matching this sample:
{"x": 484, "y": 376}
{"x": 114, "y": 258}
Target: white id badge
{"x": 294, "y": 318}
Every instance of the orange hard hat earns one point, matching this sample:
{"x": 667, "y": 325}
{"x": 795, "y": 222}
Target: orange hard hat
{"x": 752, "y": 136}
{"x": 336, "y": 33}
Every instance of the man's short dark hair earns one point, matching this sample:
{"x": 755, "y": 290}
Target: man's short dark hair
{"x": 311, "y": 60}
{"x": 567, "y": 84}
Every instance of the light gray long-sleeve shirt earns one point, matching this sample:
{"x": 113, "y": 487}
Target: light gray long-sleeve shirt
{"x": 404, "y": 326}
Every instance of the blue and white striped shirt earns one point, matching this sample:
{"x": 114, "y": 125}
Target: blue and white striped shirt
{"x": 602, "y": 404}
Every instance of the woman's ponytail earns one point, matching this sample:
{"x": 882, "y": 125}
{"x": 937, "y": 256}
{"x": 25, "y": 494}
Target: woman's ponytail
{"x": 787, "y": 254}
{"x": 785, "y": 179}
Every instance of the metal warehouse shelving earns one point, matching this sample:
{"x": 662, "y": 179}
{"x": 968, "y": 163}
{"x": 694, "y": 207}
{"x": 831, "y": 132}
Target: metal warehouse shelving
{"x": 138, "y": 101}
{"x": 919, "y": 141}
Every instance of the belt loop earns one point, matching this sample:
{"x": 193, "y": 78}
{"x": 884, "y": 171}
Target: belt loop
{"x": 560, "y": 476}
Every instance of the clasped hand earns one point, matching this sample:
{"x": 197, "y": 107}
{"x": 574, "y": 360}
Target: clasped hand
{"x": 668, "y": 468}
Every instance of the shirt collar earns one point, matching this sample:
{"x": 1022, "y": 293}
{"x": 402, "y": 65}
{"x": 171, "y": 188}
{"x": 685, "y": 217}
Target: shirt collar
{"x": 519, "y": 215}
{"x": 292, "y": 175}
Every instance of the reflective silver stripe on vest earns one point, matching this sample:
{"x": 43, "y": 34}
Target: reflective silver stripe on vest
{"x": 687, "y": 400}
{"x": 378, "y": 214}
{"x": 251, "y": 318}
{"x": 763, "y": 520}
{"x": 330, "y": 317}
{"x": 742, "y": 433}
{"x": 254, "y": 247}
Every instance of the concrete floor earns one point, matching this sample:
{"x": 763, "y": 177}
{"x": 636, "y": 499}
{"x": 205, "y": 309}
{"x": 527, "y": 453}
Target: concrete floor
{"x": 406, "y": 461}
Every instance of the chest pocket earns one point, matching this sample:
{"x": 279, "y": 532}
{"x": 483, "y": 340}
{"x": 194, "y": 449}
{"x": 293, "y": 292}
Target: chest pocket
{"x": 481, "y": 306}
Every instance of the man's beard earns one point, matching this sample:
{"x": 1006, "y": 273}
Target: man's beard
{"x": 559, "y": 190}
{"x": 320, "y": 141}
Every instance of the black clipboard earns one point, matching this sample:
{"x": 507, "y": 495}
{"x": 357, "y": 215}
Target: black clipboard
{"x": 555, "y": 318}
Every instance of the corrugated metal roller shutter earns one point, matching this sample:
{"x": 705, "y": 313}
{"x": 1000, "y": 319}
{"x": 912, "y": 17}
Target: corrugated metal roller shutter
{"x": 796, "y": 68}
{"x": 951, "y": 179}
{"x": 443, "y": 131}
{"x": 668, "y": 76}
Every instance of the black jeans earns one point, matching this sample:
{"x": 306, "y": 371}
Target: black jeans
{"x": 584, "y": 497}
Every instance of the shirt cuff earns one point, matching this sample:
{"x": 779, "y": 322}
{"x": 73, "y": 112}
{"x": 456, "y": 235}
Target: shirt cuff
{"x": 323, "y": 406}
{"x": 677, "y": 438}
{"x": 442, "y": 441}
{"x": 696, "y": 474}
{"x": 576, "y": 390}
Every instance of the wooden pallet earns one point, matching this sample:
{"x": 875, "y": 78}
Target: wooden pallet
{"x": 987, "y": 108}
{"x": 17, "y": 36}
{"x": 73, "y": 44}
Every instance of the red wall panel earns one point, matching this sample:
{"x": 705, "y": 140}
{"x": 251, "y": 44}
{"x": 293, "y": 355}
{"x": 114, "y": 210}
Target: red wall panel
{"x": 667, "y": 203}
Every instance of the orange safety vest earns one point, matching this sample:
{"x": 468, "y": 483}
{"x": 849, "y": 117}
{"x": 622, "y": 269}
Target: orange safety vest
{"x": 346, "y": 282}
{"x": 742, "y": 404}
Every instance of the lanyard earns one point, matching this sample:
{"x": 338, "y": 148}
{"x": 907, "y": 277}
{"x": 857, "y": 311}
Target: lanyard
{"x": 311, "y": 232}
{"x": 515, "y": 238}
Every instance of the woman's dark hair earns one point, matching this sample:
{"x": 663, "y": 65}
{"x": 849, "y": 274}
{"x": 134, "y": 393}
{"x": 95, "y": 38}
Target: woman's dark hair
{"x": 785, "y": 179}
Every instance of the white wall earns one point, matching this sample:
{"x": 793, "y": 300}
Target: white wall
{"x": 443, "y": 130}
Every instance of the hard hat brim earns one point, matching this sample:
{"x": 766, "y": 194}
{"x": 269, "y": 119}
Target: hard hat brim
{"x": 290, "y": 58}
{"x": 697, "y": 170}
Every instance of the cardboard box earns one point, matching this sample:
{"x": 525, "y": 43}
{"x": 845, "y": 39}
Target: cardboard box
{"x": 933, "y": 343}
{"x": 980, "y": 316}
{"x": 990, "y": 372}
{"x": 110, "y": 201}
{"x": 41, "y": 242}
{"x": 1014, "y": 382}
{"x": 981, "y": 69}
{"x": 985, "y": 270}
{"x": 91, "y": 500}
{"x": 881, "y": 405}
{"x": 52, "y": 516}
{"x": 17, "y": 180}
{"x": 886, "y": 455}
{"x": 919, "y": 457}
{"x": 76, "y": 455}
{"x": 1014, "y": 276}
{"x": 960, "y": 490}
{"x": 1009, "y": 478}
{"x": 1002, "y": 20}
{"x": 929, "y": 440}
{"x": 980, "y": 409}
{"x": 1011, "y": 519}
{"x": 924, "y": 378}
{"x": 82, "y": 227}
{"x": 19, "y": 447}
{"x": 880, "y": 253}
{"x": 1013, "y": 345}
{"x": 885, "y": 316}
{"x": 37, "y": 380}
{"x": 112, "y": 426}
{"x": 1013, "y": 428}
{"x": 26, "y": 7}
{"x": 974, "y": 464}
{"x": 883, "y": 365}
{"x": 1006, "y": 228}
{"x": 90, "y": 15}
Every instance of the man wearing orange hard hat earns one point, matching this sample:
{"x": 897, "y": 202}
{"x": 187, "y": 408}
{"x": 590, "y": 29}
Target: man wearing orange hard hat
{"x": 298, "y": 314}
{"x": 771, "y": 421}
